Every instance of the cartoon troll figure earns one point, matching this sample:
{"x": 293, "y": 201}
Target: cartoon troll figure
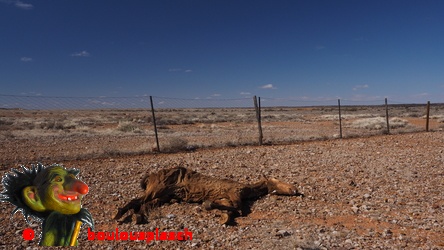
{"x": 51, "y": 194}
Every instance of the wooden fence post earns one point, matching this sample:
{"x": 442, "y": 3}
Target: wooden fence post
{"x": 340, "y": 119}
{"x": 387, "y": 116}
{"x": 154, "y": 122}
{"x": 258, "y": 117}
{"x": 428, "y": 116}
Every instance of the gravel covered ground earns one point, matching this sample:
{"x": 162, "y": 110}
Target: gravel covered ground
{"x": 382, "y": 192}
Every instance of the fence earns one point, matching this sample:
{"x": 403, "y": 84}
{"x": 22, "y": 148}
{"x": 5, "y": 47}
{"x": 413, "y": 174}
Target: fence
{"x": 91, "y": 126}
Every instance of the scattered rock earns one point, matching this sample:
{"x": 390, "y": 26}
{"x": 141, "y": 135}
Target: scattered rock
{"x": 354, "y": 197}
{"x": 171, "y": 216}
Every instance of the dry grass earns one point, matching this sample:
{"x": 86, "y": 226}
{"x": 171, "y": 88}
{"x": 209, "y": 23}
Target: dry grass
{"x": 185, "y": 129}
{"x": 175, "y": 144}
{"x": 378, "y": 123}
{"x": 128, "y": 127}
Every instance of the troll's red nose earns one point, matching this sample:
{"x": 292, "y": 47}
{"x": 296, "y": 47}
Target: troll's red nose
{"x": 80, "y": 187}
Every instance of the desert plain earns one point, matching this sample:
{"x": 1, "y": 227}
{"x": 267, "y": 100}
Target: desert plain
{"x": 370, "y": 189}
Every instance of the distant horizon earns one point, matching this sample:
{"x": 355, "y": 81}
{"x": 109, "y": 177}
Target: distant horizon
{"x": 143, "y": 102}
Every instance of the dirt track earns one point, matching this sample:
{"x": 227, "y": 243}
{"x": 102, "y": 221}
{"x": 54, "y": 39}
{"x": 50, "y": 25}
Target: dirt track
{"x": 383, "y": 192}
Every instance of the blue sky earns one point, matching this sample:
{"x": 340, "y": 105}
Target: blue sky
{"x": 303, "y": 50}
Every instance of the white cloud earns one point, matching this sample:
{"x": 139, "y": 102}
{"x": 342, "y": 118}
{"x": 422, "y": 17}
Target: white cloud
{"x": 365, "y": 86}
{"x": 22, "y": 5}
{"x": 267, "y": 86}
{"x": 367, "y": 98}
{"x": 81, "y": 54}
{"x": 245, "y": 93}
{"x": 26, "y": 59}
{"x": 18, "y": 4}
{"x": 180, "y": 70}
{"x": 31, "y": 93}
{"x": 216, "y": 95}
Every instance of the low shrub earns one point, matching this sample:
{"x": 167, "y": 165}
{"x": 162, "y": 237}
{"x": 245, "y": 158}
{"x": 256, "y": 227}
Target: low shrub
{"x": 378, "y": 123}
{"x": 175, "y": 144}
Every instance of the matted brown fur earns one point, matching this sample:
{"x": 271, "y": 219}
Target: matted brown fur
{"x": 182, "y": 184}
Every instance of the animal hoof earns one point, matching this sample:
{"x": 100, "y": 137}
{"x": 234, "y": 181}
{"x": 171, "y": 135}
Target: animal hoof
{"x": 208, "y": 205}
{"x": 138, "y": 219}
{"x": 118, "y": 215}
{"x": 224, "y": 219}
{"x": 127, "y": 219}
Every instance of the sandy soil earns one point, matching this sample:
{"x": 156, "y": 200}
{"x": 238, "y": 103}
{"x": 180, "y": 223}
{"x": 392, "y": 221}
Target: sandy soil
{"x": 381, "y": 192}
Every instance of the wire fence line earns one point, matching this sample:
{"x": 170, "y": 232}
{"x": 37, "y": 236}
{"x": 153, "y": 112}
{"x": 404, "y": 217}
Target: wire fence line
{"x": 72, "y": 103}
{"x": 104, "y": 102}
{"x": 173, "y": 124}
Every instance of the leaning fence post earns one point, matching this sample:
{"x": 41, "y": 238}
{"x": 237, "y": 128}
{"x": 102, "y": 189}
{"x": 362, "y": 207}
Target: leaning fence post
{"x": 258, "y": 117}
{"x": 428, "y": 116}
{"x": 154, "y": 122}
{"x": 340, "y": 119}
{"x": 387, "y": 116}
